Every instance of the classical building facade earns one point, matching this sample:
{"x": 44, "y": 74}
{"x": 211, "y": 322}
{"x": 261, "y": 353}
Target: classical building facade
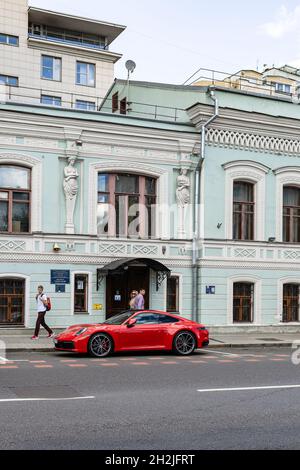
{"x": 192, "y": 193}
{"x": 249, "y": 233}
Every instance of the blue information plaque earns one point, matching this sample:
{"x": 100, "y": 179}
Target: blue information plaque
{"x": 60, "y": 276}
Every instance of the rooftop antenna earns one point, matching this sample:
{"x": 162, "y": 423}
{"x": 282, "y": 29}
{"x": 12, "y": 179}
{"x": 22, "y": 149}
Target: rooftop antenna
{"x": 130, "y": 66}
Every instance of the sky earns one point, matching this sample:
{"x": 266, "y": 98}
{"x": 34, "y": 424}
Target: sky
{"x": 169, "y": 40}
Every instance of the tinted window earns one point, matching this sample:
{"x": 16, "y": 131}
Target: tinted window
{"x": 167, "y": 319}
{"x": 147, "y": 318}
{"x": 119, "y": 319}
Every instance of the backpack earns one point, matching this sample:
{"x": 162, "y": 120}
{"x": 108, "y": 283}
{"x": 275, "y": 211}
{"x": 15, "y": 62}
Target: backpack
{"x": 48, "y": 306}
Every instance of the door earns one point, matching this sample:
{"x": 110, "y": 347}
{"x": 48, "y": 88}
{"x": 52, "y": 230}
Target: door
{"x": 12, "y": 301}
{"x": 119, "y": 286}
{"x": 243, "y": 302}
{"x": 147, "y": 333}
{"x": 290, "y": 303}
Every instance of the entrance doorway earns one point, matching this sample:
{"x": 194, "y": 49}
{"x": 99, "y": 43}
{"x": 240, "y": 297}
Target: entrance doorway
{"x": 290, "y": 303}
{"x": 119, "y": 286}
{"x": 12, "y": 301}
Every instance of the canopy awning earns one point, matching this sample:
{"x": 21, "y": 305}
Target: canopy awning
{"x": 120, "y": 266}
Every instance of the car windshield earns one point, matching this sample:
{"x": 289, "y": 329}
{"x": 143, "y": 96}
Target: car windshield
{"x": 119, "y": 319}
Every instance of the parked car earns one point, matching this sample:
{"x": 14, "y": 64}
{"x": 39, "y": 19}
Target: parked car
{"x": 145, "y": 330}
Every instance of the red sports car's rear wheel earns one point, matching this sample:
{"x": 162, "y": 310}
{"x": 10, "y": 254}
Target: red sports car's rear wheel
{"x": 184, "y": 343}
{"x": 100, "y": 345}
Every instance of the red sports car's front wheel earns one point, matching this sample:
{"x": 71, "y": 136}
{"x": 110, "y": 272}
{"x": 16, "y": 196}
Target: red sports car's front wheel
{"x": 184, "y": 343}
{"x": 100, "y": 345}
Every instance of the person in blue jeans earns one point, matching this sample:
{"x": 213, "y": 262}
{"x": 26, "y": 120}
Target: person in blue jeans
{"x": 41, "y": 303}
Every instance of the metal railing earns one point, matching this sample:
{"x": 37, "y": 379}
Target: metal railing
{"x": 242, "y": 81}
{"x": 33, "y": 96}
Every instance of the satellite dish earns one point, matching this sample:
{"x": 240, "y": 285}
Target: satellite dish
{"x": 130, "y": 65}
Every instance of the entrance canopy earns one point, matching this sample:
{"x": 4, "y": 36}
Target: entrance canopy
{"x": 122, "y": 265}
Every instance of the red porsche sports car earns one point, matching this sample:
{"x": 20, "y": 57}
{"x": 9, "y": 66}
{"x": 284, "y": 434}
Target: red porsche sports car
{"x": 133, "y": 331}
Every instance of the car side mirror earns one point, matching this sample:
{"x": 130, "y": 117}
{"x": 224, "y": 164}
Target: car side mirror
{"x": 131, "y": 322}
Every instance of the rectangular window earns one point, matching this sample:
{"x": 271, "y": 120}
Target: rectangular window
{"x": 173, "y": 294}
{"x": 85, "y": 74}
{"x": 243, "y": 296}
{"x": 85, "y": 105}
{"x": 290, "y": 303}
{"x": 291, "y": 214}
{"x": 51, "y": 68}
{"x": 8, "y": 80}
{"x": 282, "y": 88}
{"x": 51, "y": 100}
{"x": 123, "y": 106}
{"x": 9, "y": 40}
{"x": 115, "y": 102}
{"x": 126, "y": 205}
{"x": 14, "y": 199}
{"x": 243, "y": 211}
{"x": 81, "y": 293}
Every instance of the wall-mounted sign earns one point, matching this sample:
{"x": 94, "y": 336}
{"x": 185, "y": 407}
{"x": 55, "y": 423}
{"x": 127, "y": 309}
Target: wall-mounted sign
{"x": 60, "y": 276}
{"x": 60, "y": 288}
{"x": 117, "y": 298}
{"x": 97, "y": 307}
{"x": 210, "y": 289}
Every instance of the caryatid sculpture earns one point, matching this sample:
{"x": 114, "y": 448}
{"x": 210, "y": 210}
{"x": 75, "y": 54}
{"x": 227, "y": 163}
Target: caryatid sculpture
{"x": 183, "y": 199}
{"x": 71, "y": 190}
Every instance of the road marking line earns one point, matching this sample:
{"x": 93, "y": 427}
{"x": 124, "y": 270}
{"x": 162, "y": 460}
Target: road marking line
{"x": 252, "y": 360}
{"x": 76, "y": 365}
{"x": 269, "y": 387}
{"x": 168, "y": 362}
{"x": 128, "y": 359}
{"x": 37, "y": 362}
{"x": 9, "y": 367}
{"x": 42, "y": 366}
{"x": 68, "y": 360}
{"x": 140, "y": 363}
{"x": 3, "y": 400}
{"x": 277, "y": 359}
{"x": 225, "y": 360}
{"x": 223, "y": 353}
{"x": 198, "y": 362}
{"x": 109, "y": 364}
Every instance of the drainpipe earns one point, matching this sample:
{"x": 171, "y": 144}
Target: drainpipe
{"x": 196, "y": 234}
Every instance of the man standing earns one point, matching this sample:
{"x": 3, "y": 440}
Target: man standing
{"x": 139, "y": 301}
{"x": 41, "y": 303}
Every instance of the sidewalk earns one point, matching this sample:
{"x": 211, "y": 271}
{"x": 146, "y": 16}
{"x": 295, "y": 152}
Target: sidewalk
{"x": 20, "y": 340}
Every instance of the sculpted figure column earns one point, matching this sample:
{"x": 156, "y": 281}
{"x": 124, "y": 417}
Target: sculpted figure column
{"x": 70, "y": 185}
{"x": 183, "y": 199}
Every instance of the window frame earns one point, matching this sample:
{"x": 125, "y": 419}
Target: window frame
{"x": 53, "y": 98}
{"x": 86, "y": 102}
{"x": 85, "y": 294}
{"x": 112, "y": 194}
{"x": 7, "y": 78}
{"x": 243, "y": 214}
{"x": 176, "y": 294}
{"x": 291, "y": 217}
{"x": 11, "y": 201}
{"x": 44, "y": 67}
{"x": 88, "y": 64}
{"x": 7, "y": 43}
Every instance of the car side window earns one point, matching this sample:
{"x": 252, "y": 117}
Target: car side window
{"x": 167, "y": 319}
{"x": 147, "y": 319}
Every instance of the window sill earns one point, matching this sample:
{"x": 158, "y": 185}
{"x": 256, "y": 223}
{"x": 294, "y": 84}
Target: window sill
{"x": 81, "y": 313}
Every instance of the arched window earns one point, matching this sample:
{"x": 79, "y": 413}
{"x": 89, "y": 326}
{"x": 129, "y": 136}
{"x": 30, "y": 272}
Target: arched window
{"x": 126, "y": 205}
{"x": 243, "y": 296}
{"x": 291, "y": 214}
{"x": 243, "y": 210}
{"x": 15, "y": 195}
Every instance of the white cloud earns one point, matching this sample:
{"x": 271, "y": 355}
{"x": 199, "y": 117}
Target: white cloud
{"x": 285, "y": 22}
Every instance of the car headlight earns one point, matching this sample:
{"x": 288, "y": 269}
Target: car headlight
{"x": 79, "y": 332}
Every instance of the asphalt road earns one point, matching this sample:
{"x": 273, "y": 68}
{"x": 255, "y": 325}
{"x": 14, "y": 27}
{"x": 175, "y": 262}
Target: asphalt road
{"x": 151, "y": 401}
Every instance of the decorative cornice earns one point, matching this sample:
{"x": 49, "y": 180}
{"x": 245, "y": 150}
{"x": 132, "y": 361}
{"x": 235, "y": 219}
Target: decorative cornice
{"x": 252, "y": 142}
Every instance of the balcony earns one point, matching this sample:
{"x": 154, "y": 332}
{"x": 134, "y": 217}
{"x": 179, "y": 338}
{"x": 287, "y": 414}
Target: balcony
{"x": 67, "y": 37}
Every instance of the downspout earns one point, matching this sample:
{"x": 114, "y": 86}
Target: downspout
{"x": 196, "y": 234}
